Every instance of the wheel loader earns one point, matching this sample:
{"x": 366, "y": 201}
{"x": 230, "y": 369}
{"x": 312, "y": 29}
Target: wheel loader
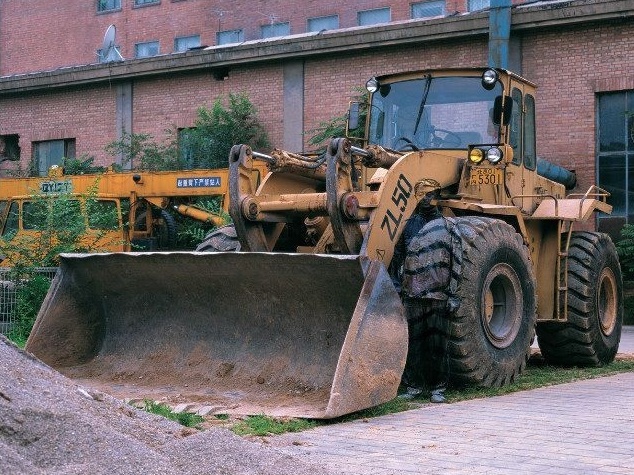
{"x": 301, "y": 306}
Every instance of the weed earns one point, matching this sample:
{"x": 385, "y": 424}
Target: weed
{"x": 263, "y": 425}
{"x": 183, "y": 418}
{"x": 539, "y": 375}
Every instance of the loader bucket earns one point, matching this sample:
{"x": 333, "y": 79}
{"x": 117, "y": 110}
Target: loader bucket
{"x": 301, "y": 335}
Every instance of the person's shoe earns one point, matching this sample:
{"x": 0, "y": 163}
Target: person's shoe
{"x": 438, "y": 394}
{"x": 411, "y": 393}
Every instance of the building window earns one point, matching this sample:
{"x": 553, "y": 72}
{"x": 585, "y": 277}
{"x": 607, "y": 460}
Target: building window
{"x": 229, "y": 37}
{"x": 615, "y": 158}
{"x": 9, "y": 147}
{"x": 428, "y": 9}
{"x": 474, "y": 5}
{"x": 183, "y": 43}
{"x": 108, "y": 5}
{"x": 372, "y": 17}
{"x": 52, "y": 152}
{"x": 139, "y": 3}
{"x": 276, "y": 29}
{"x": 145, "y": 50}
{"x": 323, "y": 23}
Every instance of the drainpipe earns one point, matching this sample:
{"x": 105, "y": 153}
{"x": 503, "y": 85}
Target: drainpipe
{"x": 499, "y": 33}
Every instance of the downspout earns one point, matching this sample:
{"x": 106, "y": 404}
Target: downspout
{"x": 499, "y": 33}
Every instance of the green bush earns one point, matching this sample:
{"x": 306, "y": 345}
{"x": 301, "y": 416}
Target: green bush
{"x": 192, "y": 232}
{"x": 625, "y": 249}
{"x": 220, "y": 127}
{"x": 31, "y": 290}
{"x": 57, "y": 226}
{"x": 142, "y": 152}
{"x": 229, "y": 121}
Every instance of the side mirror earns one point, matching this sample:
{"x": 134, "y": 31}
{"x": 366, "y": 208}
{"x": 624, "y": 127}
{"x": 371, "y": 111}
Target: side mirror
{"x": 502, "y": 113}
{"x": 353, "y": 116}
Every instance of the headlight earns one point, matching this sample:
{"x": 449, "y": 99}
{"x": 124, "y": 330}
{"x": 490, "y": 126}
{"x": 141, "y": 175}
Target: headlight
{"x": 489, "y": 78}
{"x": 494, "y": 155}
{"x": 372, "y": 85}
{"x": 476, "y": 155}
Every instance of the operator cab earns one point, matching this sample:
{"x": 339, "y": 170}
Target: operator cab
{"x": 434, "y": 112}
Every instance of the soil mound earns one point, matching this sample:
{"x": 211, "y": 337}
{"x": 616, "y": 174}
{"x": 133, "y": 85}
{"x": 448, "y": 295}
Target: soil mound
{"x": 51, "y": 425}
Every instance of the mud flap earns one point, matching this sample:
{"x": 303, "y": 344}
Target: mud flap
{"x": 300, "y": 335}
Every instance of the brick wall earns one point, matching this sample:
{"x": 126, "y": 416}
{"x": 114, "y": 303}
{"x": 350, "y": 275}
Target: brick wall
{"x": 39, "y": 35}
{"x": 567, "y": 79}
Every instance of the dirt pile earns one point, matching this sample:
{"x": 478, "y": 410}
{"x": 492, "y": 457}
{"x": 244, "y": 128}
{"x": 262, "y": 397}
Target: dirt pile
{"x": 50, "y": 425}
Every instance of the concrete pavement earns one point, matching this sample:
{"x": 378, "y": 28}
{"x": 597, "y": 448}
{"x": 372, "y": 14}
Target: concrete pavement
{"x": 586, "y": 427}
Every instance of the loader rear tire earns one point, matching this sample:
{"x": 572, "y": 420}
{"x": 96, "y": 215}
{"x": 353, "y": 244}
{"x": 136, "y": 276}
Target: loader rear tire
{"x": 222, "y": 239}
{"x": 592, "y": 333}
{"x": 486, "y": 340}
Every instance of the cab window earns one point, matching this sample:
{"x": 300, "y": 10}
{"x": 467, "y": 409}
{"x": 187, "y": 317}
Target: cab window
{"x": 530, "y": 155}
{"x": 35, "y": 214}
{"x": 13, "y": 220}
{"x": 102, "y": 214}
{"x": 515, "y": 137}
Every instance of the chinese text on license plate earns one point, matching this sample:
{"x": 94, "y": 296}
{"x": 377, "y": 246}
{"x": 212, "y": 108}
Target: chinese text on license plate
{"x": 485, "y": 176}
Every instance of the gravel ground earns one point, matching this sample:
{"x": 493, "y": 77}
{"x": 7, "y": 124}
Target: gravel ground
{"x": 50, "y": 425}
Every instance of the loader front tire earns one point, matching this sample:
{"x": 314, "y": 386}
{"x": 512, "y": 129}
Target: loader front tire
{"x": 486, "y": 340}
{"x": 591, "y": 335}
{"x": 222, "y": 239}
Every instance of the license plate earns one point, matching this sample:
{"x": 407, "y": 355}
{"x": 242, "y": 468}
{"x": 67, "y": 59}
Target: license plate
{"x": 485, "y": 176}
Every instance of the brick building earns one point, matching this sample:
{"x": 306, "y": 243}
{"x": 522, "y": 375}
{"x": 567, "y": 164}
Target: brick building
{"x": 58, "y": 99}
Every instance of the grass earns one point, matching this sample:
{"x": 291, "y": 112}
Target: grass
{"x": 183, "y": 418}
{"x": 537, "y": 375}
{"x": 262, "y": 425}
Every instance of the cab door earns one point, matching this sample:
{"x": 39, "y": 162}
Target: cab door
{"x": 522, "y": 138}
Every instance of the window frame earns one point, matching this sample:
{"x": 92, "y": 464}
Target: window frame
{"x": 106, "y": 9}
{"x": 272, "y": 25}
{"x": 607, "y": 157}
{"x": 435, "y": 3}
{"x": 360, "y": 13}
{"x": 238, "y": 31}
{"x": 187, "y": 37}
{"x": 147, "y": 43}
{"x": 145, "y": 3}
{"x": 480, "y": 5}
{"x": 321, "y": 18}
{"x": 69, "y": 151}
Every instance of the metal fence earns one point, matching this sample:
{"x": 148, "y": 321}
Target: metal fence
{"x": 9, "y": 285}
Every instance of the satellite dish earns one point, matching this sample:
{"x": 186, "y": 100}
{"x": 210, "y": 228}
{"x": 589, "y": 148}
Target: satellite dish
{"x": 109, "y": 51}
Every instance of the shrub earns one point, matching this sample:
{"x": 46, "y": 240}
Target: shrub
{"x": 142, "y": 152}
{"x": 56, "y": 224}
{"x": 625, "y": 249}
{"x": 220, "y": 127}
{"x": 31, "y": 290}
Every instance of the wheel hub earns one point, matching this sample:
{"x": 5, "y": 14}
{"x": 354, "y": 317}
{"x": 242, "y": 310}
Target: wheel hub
{"x": 607, "y": 301}
{"x": 501, "y": 305}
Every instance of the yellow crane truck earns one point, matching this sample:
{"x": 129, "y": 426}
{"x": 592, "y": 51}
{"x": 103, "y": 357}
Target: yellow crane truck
{"x": 309, "y": 317}
{"x": 139, "y": 197}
